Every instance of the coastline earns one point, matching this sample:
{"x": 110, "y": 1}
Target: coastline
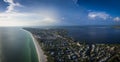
{"x": 40, "y": 53}
{"x": 60, "y": 47}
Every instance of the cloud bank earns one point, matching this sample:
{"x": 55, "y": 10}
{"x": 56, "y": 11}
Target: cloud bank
{"x": 42, "y": 17}
{"x": 101, "y": 15}
{"x": 116, "y": 19}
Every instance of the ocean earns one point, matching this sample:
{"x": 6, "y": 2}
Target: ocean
{"x": 16, "y": 45}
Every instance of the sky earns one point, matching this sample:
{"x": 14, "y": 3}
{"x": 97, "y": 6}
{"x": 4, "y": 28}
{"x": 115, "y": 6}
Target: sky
{"x": 59, "y": 12}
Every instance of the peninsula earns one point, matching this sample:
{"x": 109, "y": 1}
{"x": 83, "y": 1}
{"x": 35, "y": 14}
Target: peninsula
{"x": 59, "y": 47}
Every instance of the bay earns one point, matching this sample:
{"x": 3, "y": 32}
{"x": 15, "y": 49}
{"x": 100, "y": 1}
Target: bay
{"x": 91, "y": 34}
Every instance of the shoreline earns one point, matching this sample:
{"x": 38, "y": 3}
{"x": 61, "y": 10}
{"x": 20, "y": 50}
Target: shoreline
{"x": 40, "y": 53}
{"x": 59, "y": 47}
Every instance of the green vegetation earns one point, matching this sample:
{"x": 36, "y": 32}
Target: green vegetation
{"x": 61, "y": 48}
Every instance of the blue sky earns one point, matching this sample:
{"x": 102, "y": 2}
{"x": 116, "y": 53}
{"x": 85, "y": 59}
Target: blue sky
{"x": 59, "y": 12}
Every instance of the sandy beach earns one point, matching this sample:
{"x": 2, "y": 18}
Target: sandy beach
{"x": 40, "y": 53}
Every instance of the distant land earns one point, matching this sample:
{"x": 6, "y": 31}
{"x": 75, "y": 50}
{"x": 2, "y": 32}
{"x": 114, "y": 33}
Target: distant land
{"x": 116, "y": 26}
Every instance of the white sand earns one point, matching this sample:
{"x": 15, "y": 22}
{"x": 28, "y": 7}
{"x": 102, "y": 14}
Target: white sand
{"x": 40, "y": 53}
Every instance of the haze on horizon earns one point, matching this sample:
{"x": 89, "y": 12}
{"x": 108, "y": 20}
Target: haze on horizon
{"x": 59, "y": 12}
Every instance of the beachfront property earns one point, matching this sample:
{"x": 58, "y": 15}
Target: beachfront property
{"x": 58, "y": 47}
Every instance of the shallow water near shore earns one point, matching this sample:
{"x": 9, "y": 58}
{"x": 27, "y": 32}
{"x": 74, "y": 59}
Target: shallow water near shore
{"x": 16, "y": 45}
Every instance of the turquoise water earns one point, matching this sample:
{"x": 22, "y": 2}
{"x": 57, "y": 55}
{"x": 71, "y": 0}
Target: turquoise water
{"x": 16, "y": 45}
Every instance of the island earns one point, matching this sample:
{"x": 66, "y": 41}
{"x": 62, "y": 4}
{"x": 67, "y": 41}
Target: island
{"x": 59, "y": 47}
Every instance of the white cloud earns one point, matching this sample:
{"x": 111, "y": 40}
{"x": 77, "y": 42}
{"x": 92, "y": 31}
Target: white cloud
{"x": 116, "y": 19}
{"x": 44, "y": 16}
{"x": 101, "y": 15}
{"x": 12, "y": 5}
{"x": 28, "y": 19}
{"x": 75, "y": 1}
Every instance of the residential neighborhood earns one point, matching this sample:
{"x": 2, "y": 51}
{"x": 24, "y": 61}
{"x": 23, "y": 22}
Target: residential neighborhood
{"x": 59, "y": 47}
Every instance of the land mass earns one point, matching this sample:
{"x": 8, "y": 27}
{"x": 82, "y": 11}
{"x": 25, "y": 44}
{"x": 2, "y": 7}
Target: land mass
{"x": 40, "y": 53}
{"x": 116, "y": 27}
{"x": 59, "y": 47}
